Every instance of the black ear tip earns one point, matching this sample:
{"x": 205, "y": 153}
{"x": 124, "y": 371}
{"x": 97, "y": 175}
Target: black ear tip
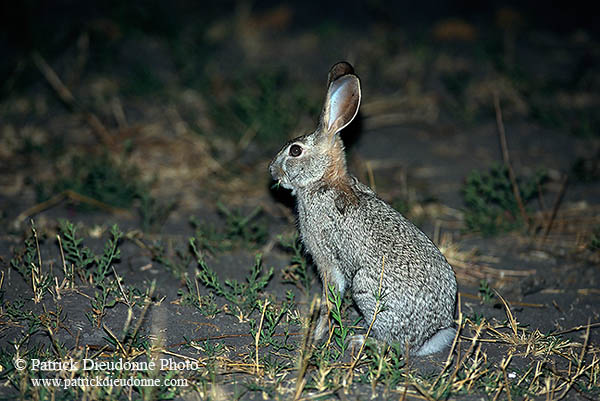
{"x": 339, "y": 69}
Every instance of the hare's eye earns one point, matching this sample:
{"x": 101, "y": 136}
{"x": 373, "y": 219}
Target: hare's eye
{"x": 295, "y": 150}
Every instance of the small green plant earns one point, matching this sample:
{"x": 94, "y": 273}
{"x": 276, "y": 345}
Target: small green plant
{"x": 28, "y": 263}
{"x": 385, "y": 364}
{"x": 204, "y": 303}
{"x": 298, "y": 271}
{"x": 208, "y": 238}
{"x": 177, "y": 265}
{"x": 26, "y": 257}
{"x": 272, "y": 318}
{"x": 17, "y": 312}
{"x": 111, "y": 253}
{"x": 110, "y": 180}
{"x": 243, "y": 228}
{"x": 261, "y": 105}
{"x": 485, "y": 292}
{"x": 152, "y": 212}
{"x": 341, "y": 332}
{"x": 243, "y": 295}
{"x": 239, "y": 230}
{"x": 101, "y": 302}
{"x": 594, "y": 243}
{"x": 490, "y": 203}
{"x": 83, "y": 258}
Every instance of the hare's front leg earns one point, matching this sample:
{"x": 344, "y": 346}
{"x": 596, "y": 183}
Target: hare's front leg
{"x": 330, "y": 278}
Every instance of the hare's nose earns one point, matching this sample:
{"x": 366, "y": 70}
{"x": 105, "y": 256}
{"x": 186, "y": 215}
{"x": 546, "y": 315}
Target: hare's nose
{"x": 275, "y": 171}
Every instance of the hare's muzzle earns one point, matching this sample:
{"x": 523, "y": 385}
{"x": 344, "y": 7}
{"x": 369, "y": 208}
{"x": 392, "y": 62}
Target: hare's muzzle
{"x": 275, "y": 171}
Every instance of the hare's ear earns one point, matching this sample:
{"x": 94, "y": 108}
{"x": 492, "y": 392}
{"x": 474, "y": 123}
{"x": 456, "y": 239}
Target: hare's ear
{"x": 339, "y": 69}
{"x": 341, "y": 104}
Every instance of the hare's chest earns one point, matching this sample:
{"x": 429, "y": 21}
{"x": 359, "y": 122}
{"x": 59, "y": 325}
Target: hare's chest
{"x": 322, "y": 230}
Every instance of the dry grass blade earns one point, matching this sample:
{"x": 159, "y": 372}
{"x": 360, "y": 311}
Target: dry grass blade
{"x": 557, "y": 203}
{"x": 257, "y": 338}
{"x": 580, "y": 365}
{"x": 576, "y": 328}
{"x": 455, "y": 342}
{"x": 307, "y": 346}
{"x": 503, "y": 366}
{"x": 147, "y": 302}
{"x": 511, "y": 319}
{"x": 506, "y": 158}
{"x": 115, "y": 339}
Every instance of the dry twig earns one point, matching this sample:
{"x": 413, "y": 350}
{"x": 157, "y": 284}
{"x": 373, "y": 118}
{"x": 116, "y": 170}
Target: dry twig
{"x": 67, "y": 97}
{"x": 506, "y": 159}
{"x": 557, "y": 203}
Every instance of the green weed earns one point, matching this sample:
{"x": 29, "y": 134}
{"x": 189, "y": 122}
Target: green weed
{"x": 83, "y": 259}
{"x": 75, "y": 253}
{"x": 386, "y": 364}
{"x": 26, "y": 257}
{"x": 298, "y": 272}
{"x": 263, "y": 105}
{"x": 107, "y": 179}
{"x": 594, "y": 243}
{"x": 490, "y": 203}
{"x": 112, "y": 181}
{"x": 341, "y": 332}
{"x": 243, "y": 228}
{"x": 177, "y": 265}
{"x": 240, "y": 229}
{"x": 272, "y": 319}
{"x": 111, "y": 253}
{"x": 28, "y": 263}
{"x": 485, "y": 292}
{"x": 100, "y": 303}
{"x": 153, "y": 213}
{"x": 204, "y": 303}
{"x": 243, "y": 295}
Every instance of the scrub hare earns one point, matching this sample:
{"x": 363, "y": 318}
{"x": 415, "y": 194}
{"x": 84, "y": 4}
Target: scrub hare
{"x": 360, "y": 243}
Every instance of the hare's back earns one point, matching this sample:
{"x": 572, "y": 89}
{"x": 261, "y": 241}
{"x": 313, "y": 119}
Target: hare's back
{"x": 387, "y": 232}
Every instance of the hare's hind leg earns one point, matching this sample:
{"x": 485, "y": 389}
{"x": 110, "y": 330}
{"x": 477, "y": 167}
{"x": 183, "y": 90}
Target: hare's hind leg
{"x": 374, "y": 311}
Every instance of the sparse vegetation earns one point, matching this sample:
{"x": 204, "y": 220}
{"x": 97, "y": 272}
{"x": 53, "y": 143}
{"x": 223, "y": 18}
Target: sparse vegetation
{"x": 490, "y": 204}
{"x": 485, "y": 292}
{"x": 194, "y": 98}
{"x": 256, "y": 107}
{"x": 239, "y": 229}
{"x": 594, "y": 243}
{"x": 298, "y": 272}
{"x": 82, "y": 259}
{"x": 243, "y": 295}
{"x": 107, "y": 179}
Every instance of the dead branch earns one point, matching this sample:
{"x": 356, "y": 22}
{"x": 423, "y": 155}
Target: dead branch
{"x": 67, "y": 194}
{"x": 67, "y": 97}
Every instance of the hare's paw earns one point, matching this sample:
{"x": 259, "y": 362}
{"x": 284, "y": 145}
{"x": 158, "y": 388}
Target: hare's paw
{"x": 322, "y": 327}
{"x": 355, "y": 342}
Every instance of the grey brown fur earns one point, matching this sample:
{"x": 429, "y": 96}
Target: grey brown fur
{"x": 349, "y": 231}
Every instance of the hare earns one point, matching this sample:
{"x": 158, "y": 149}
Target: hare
{"x": 360, "y": 243}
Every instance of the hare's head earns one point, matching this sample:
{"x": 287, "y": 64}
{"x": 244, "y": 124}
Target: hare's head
{"x": 320, "y": 154}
